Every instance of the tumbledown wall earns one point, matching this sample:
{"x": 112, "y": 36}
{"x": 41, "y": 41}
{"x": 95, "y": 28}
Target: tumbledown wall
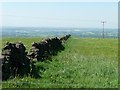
{"x": 17, "y": 62}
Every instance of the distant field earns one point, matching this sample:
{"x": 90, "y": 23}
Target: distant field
{"x": 85, "y": 63}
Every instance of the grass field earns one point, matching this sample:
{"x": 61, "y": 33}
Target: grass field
{"x": 85, "y": 63}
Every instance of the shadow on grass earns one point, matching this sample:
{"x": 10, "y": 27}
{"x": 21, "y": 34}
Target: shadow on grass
{"x": 38, "y": 68}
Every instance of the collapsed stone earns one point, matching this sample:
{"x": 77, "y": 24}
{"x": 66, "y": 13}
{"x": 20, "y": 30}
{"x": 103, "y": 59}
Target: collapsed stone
{"x": 14, "y": 60}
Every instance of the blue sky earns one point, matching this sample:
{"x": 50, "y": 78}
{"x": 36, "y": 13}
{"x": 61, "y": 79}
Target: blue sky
{"x": 60, "y": 14}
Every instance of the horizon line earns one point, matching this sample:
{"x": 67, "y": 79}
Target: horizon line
{"x": 50, "y": 27}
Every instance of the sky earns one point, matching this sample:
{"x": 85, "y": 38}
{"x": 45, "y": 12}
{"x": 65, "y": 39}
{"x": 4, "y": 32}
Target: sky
{"x": 60, "y": 14}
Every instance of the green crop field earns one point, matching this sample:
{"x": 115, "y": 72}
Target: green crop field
{"x": 85, "y": 63}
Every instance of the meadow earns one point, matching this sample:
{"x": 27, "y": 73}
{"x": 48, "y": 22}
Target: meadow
{"x": 85, "y": 63}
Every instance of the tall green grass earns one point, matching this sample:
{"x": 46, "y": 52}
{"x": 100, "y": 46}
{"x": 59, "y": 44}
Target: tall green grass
{"x": 85, "y": 63}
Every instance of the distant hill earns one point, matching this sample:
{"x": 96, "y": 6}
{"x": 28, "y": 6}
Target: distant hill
{"x": 51, "y": 32}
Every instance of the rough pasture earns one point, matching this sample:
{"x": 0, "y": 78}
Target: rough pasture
{"x": 85, "y": 63}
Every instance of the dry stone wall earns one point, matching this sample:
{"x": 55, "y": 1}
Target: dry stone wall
{"x": 17, "y": 62}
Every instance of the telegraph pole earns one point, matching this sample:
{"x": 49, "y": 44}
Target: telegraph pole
{"x": 103, "y": 22}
